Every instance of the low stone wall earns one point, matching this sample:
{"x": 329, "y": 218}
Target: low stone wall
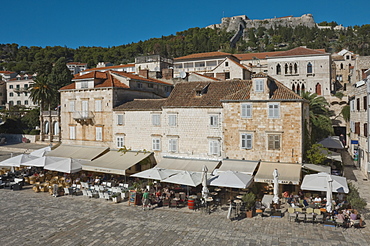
{"x": 19, "y": 138}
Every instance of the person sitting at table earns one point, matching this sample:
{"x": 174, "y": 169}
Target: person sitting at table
{"x": 317, "y": 199}
{"x": 97, "y": 181}
{"x": 355, "y": 217}
{"x": 305, "y": 202}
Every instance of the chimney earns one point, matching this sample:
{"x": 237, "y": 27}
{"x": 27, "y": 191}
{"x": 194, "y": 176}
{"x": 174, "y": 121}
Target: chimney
{"x": 144, "y": 73}
{"x": 167, "y": 73}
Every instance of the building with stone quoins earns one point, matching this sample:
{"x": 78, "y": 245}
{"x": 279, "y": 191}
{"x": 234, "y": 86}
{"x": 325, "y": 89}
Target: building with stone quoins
{"x": 87, "y": 103}
{"x": 237, "y": 119}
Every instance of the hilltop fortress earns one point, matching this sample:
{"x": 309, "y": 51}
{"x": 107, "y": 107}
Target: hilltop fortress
{"x": 236, "y": 23}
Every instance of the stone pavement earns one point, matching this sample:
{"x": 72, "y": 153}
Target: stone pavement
{"x": 29, "y": 218}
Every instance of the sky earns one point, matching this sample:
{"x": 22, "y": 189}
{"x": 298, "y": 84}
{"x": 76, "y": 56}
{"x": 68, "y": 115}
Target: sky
{"x": 75, "y": 23}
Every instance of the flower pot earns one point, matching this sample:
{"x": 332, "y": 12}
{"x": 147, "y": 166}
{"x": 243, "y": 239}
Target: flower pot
{"x": 249, "y": 213}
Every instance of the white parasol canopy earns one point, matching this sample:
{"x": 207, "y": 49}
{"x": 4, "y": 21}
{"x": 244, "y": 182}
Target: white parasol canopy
{"x": 275, "y": 174}
{"x": 40, "y": 152}
{"x": 231, "y": 179}
{"x": 318, "y": 182}
{"x": 329, "y": 195}
{"x": 185, "y": 178}
{"x": 68, "y": 165}
{"x": 155, "y": 173}
{"x": 42, "y": 161}
{"x": 17, "y": 161}
{"x": 205, "y": 191}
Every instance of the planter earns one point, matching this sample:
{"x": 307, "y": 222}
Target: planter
{"x": 116, "y": 199}
{"x": 249, "y": 213}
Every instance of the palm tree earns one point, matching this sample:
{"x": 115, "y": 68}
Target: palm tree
{"x": 42, "y": 92}
{"x": 320, "y": 123}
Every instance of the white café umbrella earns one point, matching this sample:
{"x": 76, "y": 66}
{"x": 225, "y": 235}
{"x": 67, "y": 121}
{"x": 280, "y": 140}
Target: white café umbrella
{"x": 17, "y": 161}
{"x": 329, "y": 195}
{"x": 185, "y": 178}
{"x": 42, "y": 161}
{"x": 68, "y": 165}
{"x": 318, "y": 182}
{"x": 231, "y": 179}
{"x": 40, "y": 152}
{"x": 275, "y": 174}
{"x": 205, "y": 191}
{"x": 155, "y": 173}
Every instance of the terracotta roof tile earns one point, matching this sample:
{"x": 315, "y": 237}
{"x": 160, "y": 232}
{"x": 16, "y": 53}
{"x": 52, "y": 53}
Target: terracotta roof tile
{"x": 134, "y": 76}
{"x": 249, "y": 56}
{"x": 6, "y": 72}
{"x": 142, "y": 104}
{"x": 203, "y": 55}
{"x": 299, "y": 51}
{"x": 109, "y": 68}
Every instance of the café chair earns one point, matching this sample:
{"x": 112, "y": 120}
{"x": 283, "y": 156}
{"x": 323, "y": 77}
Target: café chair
{"x": 319, "y": 217}
{"x": 292, "y": 214}
{"x": 309, "y": 215}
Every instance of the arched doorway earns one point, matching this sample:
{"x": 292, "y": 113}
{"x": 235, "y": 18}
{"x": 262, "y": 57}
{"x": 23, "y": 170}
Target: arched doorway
{"x": 46, "y": 127}
{"x": 318, "y": 89}
{"x": 56, "y": 127}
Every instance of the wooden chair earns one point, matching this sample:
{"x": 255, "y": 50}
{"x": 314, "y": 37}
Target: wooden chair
{"x": 309, "y": 215}
{"x": 318, "y": 217}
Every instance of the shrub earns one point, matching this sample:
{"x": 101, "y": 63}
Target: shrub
{"x": 34, "y": 132}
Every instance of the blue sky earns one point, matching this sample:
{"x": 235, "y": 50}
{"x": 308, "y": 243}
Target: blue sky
{"x": 75, "y": 23}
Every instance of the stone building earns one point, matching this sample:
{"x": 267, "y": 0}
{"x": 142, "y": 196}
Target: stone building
{"x": 87, "y": 103}
{"x": 264, "y": 121}
{"x": 359, "y": 123}
{"x": 204, "y": 120}
{"x": 17, "y": 91}
{"x": 343, "y": 64}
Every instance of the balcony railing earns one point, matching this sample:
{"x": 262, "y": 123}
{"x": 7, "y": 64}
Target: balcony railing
{"x": 83, "y": 117}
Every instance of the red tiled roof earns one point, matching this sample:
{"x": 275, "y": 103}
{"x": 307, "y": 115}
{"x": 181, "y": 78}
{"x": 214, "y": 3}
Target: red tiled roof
{"x": 142, "y": 104}
{"x": 76, "y": 63}
{"x": 250, "y": 56}
{"x": 203, "y": 55}
{"x": 202, "y": 75}
{"x": 299, "y": 51}
{"x": 238, "y": 64}
{"x": 109, "y": 68}
{"x": 6, "y": 72}
{"x": 137, "y": 77}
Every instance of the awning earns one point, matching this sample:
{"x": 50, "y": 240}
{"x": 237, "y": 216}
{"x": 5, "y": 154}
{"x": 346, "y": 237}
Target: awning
{"x": 241, "y": 166}
{"x": 332, "y": 155}
{"x": 317, "y": 168}
{"x": 288, "y": 173}
{"x": 115, "y": 162}
{"x": 192, "y": 165}
{"x": 87, "y": 153}
{"x": 332, "y": 142}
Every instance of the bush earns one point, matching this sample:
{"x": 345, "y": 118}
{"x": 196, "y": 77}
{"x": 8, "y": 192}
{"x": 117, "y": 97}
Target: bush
{"x": 34, "y": 132}
{"x": 354, "y": 198}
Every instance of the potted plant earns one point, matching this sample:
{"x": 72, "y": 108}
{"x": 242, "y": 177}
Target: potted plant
{"x": 249, "y": 200}
{"x": 116, "y": 197}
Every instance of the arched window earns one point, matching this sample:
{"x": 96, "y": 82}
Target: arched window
{"x": 318, "y": 89}
{"x": 298, "y": 90}
{"x": 290, "y": 69}
{"x": 303, "y": 89}
{"x": 293, "y": 87}
{"x": 278, "y": 69}
{"x": 286, "y": 68}
{"x": 295, "y": 68}
{"x": 309, "y": 67}
{"x": 46, "y": 127}
{"x": 56, "y": 127}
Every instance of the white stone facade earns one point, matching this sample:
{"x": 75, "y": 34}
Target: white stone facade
{"x": 17, "y": 91}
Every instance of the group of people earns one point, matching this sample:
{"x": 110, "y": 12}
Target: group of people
{"x": 348, "y": 217}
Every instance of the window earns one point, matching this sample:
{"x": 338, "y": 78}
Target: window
{"x": 246, "y": 141}
{"x": 214, "y": 147}
{"x": 18, "y": 94}
{"x": 18, "y": 86}
{"x": 357, "y": 128}
{"x": 25, "y": 86}
{"x": 72, "y": 132}
{"x": 139, "y": 85}
{"x": 213, "y": 120}
{"x": 226, "y": 64}
{"x": 172, "y": 145}
{"x": 11, "y": 94}
{"x": 99, "y": 133}
{"x": 25, "y": 93}
{"x": 365, "y": 103}
{"x": 246, "y": 110}
{"x": 71, "y": 106}
{"x": 274, "y": 110}
{"x": 274, "y": 142}
{"x": 19, "y": 102}
{"x": 156, "y": 144}
{"x": 172, "y": 120}
{"x": 150, "y": 86}
{"x": 358, "y": 104}
{"x": 10, "y": 86}
{"x": 119, "y": 119}
{"x": 84, "y": 85}
{"x": 259, "y": 85}
{"x": 156, "y": 119}
{"x": 278, "y": 69}
{"x": 309, "y": 67}
{"x": 11, "y": 103}
{"x": 98, "y": 105}
{"x": 341, "y": 66}
{"x": 295, "y": 68}
{"x": 365, "y": 130}
{"x": 120, "y": 142}
{"x": 26, "y": 102}
{"x": 227, "y": 75}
